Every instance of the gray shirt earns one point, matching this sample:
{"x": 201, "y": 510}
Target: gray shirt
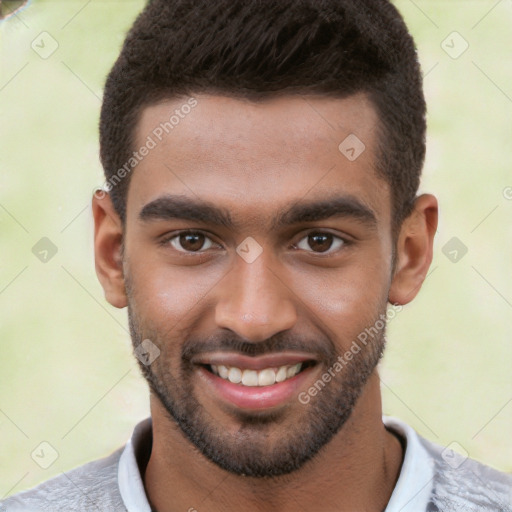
{"x": 432, "y": 479}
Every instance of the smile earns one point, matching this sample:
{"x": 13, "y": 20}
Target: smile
{"x": 253, "y": 378}
{"x": 255, "y": 383}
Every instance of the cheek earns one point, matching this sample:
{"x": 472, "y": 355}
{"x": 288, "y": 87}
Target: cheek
{"x": 169, "y": 295}
{"x": 344, "y": 301}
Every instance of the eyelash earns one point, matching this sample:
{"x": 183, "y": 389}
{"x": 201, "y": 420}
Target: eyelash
{"x": 330, "y": 251}
{"x": 168, "y": 239}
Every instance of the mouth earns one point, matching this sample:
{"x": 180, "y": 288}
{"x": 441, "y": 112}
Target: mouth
{"x": 255, "y": 383}
{"x": 258, "y": 378}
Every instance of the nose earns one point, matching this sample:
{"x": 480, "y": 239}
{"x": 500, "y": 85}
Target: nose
{"x": 255, "y": 302}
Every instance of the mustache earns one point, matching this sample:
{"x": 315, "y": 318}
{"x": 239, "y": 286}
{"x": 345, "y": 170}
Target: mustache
{"x": 321, "y": 346}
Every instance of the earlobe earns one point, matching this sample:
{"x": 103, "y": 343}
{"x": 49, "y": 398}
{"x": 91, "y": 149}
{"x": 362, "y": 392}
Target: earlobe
{"x": 414, "y": 250}
{"x": 108, "y": 237}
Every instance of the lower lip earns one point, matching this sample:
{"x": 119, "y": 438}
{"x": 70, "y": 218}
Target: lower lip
{"x": 255, "y": 397}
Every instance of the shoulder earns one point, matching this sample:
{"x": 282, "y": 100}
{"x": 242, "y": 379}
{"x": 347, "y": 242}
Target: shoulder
{"x": 439, "y": 479}
{"x": 93, "y": 486}
{"x": 466, "y": 485}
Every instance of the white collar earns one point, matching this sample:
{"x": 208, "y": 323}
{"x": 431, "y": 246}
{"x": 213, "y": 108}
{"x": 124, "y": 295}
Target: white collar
{"x": 129, "y": 479}
{"x": 414, "y": 486}
{"x": 411, "y": 493}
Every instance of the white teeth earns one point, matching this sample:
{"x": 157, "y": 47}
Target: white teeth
{"x": 223, "y": 371}
{"x": 293, "y": 370}
{"x": 266, "y": 377}
{"x": 235, "y": 375}
{"x": 252, "y": 378}
{"x": 281, "y": 374}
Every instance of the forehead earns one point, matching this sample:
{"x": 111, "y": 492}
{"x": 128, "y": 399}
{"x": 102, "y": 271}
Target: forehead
{"x": 255, "y": 157}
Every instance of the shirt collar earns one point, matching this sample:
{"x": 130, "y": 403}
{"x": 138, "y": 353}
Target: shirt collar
{"x": 413, "y": 489}
{"x": 411, "y": 493}
{"x": 129, "y": 478}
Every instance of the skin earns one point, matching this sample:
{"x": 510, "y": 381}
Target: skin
{"x": 255, "y": 160}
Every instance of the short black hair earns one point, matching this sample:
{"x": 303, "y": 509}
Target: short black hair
{"x": 262, "y": 48}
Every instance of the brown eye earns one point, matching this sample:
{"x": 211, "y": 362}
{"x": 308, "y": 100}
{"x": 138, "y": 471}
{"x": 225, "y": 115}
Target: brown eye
{"x": 320, "y": 242}
{"x": 190, "y": 241}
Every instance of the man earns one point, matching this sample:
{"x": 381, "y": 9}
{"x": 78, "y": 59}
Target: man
{"x": 262, "y": 162}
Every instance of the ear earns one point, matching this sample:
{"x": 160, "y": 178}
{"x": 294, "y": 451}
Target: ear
{"x": 108, "y": 236}
{"x": 414, "y": 250}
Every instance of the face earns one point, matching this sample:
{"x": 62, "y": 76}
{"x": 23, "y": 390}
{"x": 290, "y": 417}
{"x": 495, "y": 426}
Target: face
{"x": 256, "y": 250}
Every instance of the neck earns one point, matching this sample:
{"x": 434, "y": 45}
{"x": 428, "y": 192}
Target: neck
{"x": 356, "y": 470}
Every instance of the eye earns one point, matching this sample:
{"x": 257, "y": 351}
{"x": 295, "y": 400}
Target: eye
{"x": 189, "y": 241}
{"x": 321, "y": 242}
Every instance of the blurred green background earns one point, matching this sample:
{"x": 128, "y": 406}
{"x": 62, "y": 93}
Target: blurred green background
{"x": 67, "y": 375}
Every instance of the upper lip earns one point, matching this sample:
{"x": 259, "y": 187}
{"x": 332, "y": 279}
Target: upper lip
{"x": 253, "y": 363}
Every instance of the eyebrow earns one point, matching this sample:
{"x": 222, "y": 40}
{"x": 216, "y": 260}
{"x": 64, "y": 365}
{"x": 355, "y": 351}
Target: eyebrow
{"x": 339, "y": 206}
{"x": 169, "y": 207}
